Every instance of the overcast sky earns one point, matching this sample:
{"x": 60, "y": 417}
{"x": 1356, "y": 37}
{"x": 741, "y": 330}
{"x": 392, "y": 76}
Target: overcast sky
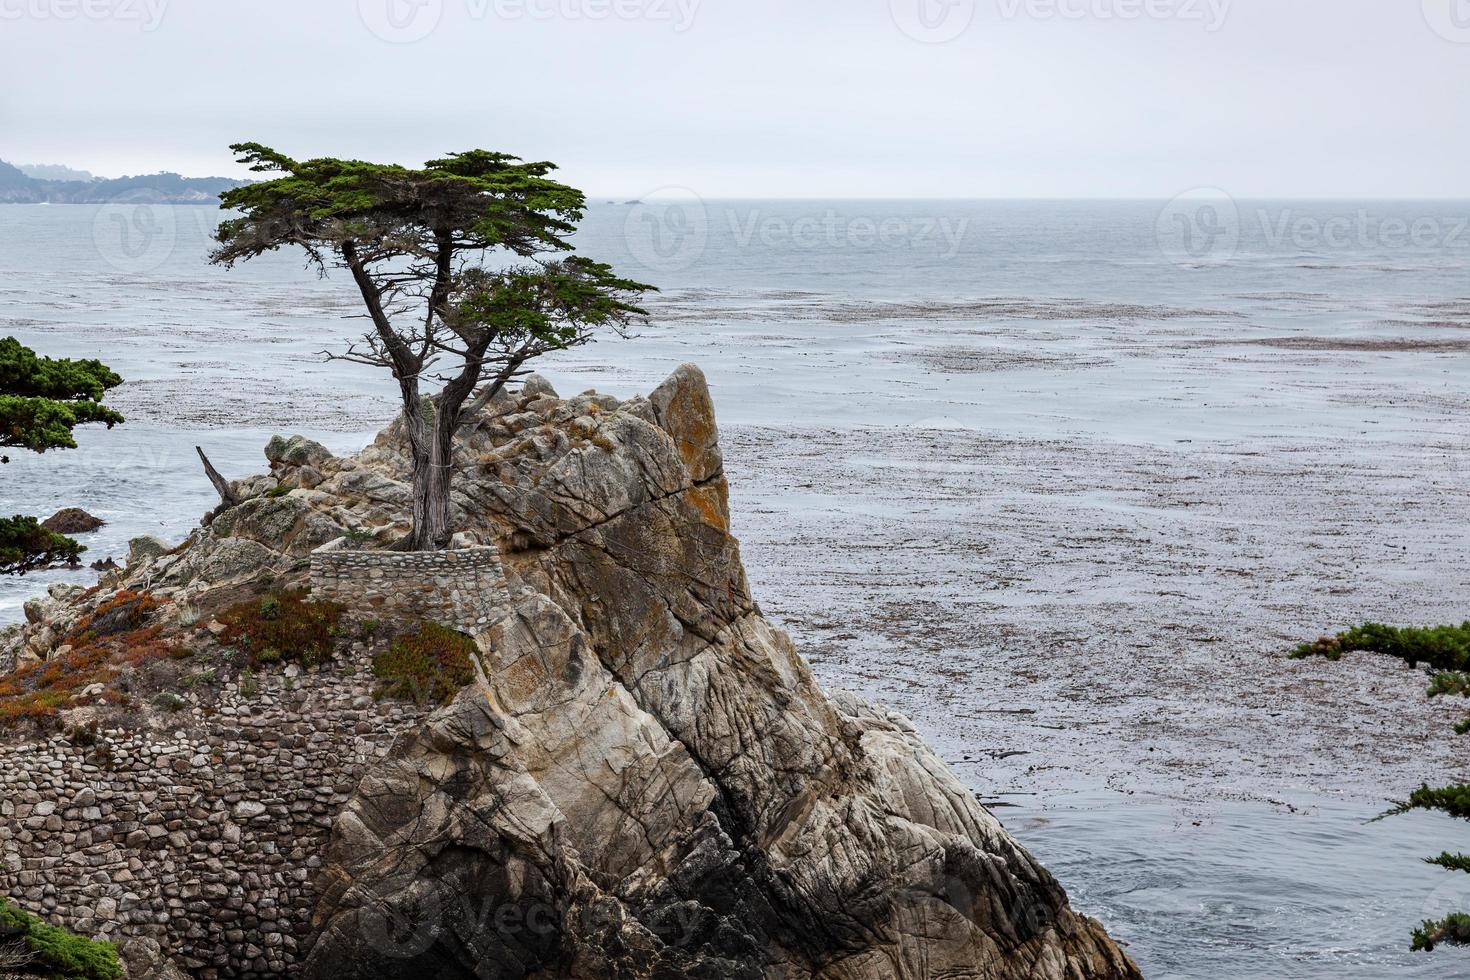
{"x": 768, "y": 98}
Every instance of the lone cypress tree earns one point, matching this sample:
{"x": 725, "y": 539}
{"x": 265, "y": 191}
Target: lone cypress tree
{"x": 420, "y": 244}
{"x": 42, "y": 400}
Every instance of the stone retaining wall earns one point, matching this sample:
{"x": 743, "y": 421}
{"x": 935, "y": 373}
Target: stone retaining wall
{"x": 205, "y": 837}
{"x": 460, "y": 589}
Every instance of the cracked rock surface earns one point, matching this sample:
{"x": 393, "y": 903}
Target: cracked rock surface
{"x": 647, "y": 781}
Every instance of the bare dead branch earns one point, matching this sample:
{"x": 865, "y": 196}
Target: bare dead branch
{"x": 227, "y": 497}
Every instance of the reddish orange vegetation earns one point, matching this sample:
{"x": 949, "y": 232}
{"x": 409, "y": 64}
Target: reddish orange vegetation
{"x": 284, "y": 627}
{"x": 426, "y": 667}
{"x": 105, "y": 644}
{"x": 123, "y": 613}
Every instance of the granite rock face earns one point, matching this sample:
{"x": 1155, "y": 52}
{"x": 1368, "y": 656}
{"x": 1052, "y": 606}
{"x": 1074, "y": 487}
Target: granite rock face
{"x": 645, "y": 781}
{"x": 648, "y": 782}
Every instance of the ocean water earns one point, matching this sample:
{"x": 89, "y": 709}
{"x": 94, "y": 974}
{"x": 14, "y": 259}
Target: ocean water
{"x": 1204, "y": 322}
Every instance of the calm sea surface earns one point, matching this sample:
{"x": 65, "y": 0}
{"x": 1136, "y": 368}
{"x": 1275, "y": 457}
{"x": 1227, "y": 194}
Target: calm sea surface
{"x": 986, "y": 316}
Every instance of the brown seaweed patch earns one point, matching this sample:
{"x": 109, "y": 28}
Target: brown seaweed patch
{"x": 969, "y": 360}
{"x": 1372, "y": 344}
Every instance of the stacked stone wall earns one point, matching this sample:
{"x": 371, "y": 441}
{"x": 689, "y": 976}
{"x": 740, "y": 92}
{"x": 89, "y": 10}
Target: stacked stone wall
{"x": 459, "y": 588}
{"x": 206, "y": 836}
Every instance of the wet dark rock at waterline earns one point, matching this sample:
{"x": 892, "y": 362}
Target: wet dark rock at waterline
{"x": 72, "y": 520}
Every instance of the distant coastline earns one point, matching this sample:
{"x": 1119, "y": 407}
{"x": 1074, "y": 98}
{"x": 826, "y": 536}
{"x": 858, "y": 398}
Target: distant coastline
{"x": 17, "y": 187}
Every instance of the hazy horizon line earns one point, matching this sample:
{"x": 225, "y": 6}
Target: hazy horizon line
{"x": 605, "y": 198}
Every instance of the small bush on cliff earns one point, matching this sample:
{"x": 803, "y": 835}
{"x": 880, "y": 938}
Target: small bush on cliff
{"x": 426, "y": 667}
{"x": 57, "y": 952}
{"x": 284, "y": 627}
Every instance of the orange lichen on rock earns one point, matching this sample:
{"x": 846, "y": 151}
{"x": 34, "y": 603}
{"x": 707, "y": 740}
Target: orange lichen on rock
{"x": 41, "y": 691}
{"x": 124, "y": 612}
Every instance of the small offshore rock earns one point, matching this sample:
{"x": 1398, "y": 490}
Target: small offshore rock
{"x": 72, "y": 520}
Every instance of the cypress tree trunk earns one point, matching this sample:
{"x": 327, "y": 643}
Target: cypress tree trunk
{"x": 433, "y": 474}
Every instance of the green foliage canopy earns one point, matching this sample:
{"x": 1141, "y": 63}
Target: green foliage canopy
{"x": 1445, "y": 649}
{"x": 43, "y": 399}
{"x": 451, "y": 260}
{"x": 58, "y": 953}
{"x": 26, "y": 546}
{"x": 415, "y": 241}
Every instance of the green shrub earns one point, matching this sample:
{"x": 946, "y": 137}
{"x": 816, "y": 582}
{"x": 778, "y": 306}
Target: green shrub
{"x": 26, "y": 546}
{"x": 1445, "y": 648}
{"x": 205, "y": 677}
{"x": 1450, "y": 682}
{"x": 284, "y": 627}
{"x": 1452, "y": 862}
{"x": 64, "y": 956}
{"x": 429, "y": 666}
{"x": 1452, "y": 931}
{"x": 171, "y": 703}
{"x": 1454, "y": 800}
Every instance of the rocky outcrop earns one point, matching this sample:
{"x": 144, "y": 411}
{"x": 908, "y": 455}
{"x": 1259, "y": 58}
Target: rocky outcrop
{"x": 72, "y": 520}
{"x": 645, "y": 780}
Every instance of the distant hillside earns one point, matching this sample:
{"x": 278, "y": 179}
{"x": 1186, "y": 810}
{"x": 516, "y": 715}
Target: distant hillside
{"x": 52, "y": 171}
{"x": 18, "y": 188}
